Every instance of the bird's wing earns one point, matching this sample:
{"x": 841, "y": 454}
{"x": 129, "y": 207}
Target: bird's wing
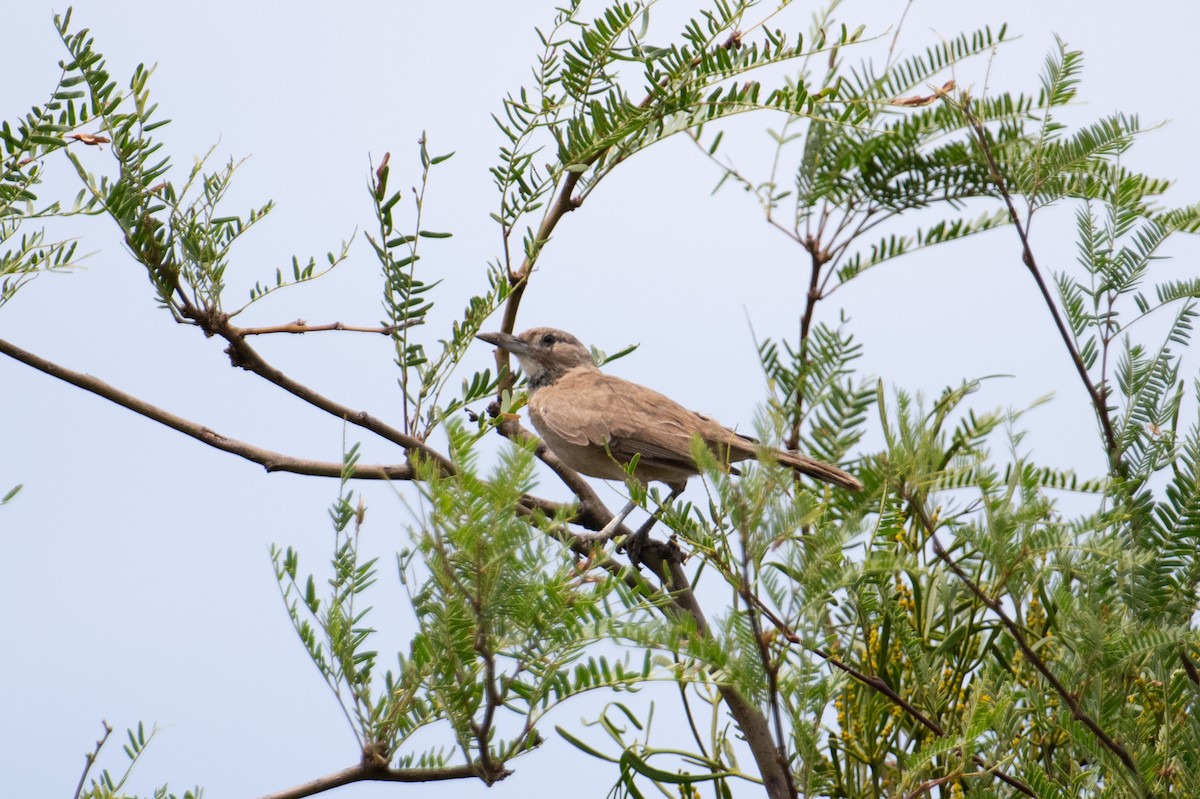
{"x": 602, "y": 410}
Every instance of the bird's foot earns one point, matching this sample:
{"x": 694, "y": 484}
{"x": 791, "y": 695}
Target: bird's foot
{"x": 635, "y": 543}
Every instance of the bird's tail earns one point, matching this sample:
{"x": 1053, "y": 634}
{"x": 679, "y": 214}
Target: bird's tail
{"x": 818, "y": 469}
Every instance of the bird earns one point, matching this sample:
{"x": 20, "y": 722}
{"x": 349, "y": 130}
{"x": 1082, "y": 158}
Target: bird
{"x": 598, "y": 423}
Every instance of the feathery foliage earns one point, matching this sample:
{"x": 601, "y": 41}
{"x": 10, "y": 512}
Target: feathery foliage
{"x": 971, "y": 623}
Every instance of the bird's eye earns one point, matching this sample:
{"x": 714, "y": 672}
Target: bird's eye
{"x": 548, "y": 339}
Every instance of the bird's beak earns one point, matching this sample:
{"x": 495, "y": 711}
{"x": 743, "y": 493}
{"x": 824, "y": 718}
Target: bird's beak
{"x": 505, "y": 341}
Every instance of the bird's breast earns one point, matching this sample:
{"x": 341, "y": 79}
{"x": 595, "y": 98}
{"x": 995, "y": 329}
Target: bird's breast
{"x": 569, "y": 416}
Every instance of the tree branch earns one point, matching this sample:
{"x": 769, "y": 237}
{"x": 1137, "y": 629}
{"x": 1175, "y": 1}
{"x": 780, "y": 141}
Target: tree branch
{"x": 664, "y": 560}
{"x": 994, "y": 605}
{"x": 301, "y": 326}
{"x": 564, "y": 203}
{"x": 818, "y": 258}
{"x": 770, "y": 666}
{"x": 241, "y": 354}
{"x": 876, "y": 684}
{"x": 368, "y": 772}
{"x": 90, "y": 758}
{"x": 1098, "y": 396}
{"x": 592, "y": 514}
{"x": 268, "y": 459}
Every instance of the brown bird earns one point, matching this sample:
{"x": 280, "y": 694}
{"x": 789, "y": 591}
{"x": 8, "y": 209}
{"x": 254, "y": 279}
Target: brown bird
{"x": 596, "y": 423}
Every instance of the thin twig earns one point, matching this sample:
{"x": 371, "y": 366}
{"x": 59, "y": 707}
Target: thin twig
{"x": 819, "y": 259}
{"x": 364, "y": 772}
{"x": 687, "y": 710}
{"x": 770, "y": 667}
{"x": 564, "y": 203}
{"x": 875, "y": 683}
{"x": 896, "y": 38}
{"x": 90, "y": 758}
{"x": 483, "y": 730}
{"x": 1098, "y": 396}
{"x": 301, "y": 326}
{"x": 751, "y": 722}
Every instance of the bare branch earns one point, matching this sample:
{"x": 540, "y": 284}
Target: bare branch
{"x": 563, "y": 204}
{"x": 819, "y": 259}
{"x": 301, "y": 326}
{"x": 592, "y": 513}
{"x": 90, "y": 757}
{"x": 241, "y": 354}
{"x": 268, "y": 459}
{"x": 365, "y": 771}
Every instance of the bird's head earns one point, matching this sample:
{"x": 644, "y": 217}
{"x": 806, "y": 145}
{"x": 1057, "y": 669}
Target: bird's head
{"x": 545, "y": 354}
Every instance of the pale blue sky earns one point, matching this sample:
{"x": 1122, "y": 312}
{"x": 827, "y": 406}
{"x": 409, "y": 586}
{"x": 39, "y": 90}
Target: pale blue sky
{"x": 135, "y": 579}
